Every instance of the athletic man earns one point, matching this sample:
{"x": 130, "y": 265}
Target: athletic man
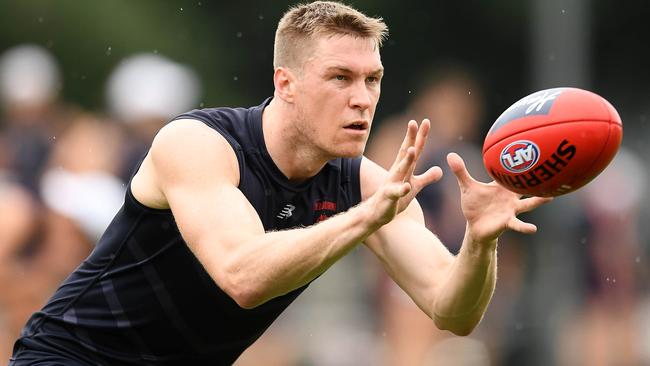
{"x": 234, "y": 212}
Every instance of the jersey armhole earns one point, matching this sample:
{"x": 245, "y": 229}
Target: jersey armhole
{"x": 129, "y": 197}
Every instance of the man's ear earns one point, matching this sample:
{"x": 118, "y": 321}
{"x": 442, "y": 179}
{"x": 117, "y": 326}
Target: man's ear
{"x": 284, "y": 81}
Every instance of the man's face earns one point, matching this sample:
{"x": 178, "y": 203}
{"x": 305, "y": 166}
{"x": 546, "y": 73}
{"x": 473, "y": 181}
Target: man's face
{"x": 337, "y": 91}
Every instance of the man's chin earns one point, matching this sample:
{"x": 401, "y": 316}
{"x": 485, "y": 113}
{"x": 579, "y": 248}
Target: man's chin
{"x": 351, "y": 152}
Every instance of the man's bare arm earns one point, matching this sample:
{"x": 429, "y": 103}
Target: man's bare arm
{"x": 194, "y": 171}
{"x": 453, "y": 290}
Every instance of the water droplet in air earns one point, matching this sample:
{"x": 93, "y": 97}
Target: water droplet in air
{"x": 235, "y": 78}
{"x": 239, "y": 34}
{"x": 108, "y": 51}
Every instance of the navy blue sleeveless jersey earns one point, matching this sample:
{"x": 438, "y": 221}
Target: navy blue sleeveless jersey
{"x": 142, "y": 297}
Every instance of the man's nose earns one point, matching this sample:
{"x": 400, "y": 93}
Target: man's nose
{"x": 360, "y": 97}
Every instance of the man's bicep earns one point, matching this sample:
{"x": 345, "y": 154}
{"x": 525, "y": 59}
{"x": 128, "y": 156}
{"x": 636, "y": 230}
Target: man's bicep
{"x": 218, "y": 216}
{"x": 197, "y": 172}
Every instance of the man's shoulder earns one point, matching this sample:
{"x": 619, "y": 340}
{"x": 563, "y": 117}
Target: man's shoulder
{"x": 187, "y": 133}
{"x": 183, "y": 152}
{"x": 188, "y": 146}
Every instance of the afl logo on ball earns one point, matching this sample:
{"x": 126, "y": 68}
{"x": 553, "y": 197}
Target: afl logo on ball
{"x": 519, "y": 156}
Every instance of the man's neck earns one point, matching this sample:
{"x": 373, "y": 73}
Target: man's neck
{"x": 297, "y": 159}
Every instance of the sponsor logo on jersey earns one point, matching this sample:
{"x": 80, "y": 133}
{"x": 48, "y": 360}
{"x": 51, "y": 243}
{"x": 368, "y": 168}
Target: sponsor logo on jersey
{"x": 519, "y": 156}
{"x": 286, "y": 212}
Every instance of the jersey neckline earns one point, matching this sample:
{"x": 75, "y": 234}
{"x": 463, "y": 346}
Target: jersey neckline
{"x": 255, "y": 118}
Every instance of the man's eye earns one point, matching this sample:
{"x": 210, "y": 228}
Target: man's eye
{"x": 372, "y": 79}
{"x": 341, "y": 77}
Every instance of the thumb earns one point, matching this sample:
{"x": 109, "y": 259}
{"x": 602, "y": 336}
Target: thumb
{"x": 397, "y": 191}
{"x": 432, "y": 175}
{"x": 457, "y": 166}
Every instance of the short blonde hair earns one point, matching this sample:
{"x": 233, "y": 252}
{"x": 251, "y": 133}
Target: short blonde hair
{"x": 303, "y": 23}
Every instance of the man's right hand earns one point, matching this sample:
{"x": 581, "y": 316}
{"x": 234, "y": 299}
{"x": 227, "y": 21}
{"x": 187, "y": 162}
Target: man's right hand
{"x": 401, "y": 185}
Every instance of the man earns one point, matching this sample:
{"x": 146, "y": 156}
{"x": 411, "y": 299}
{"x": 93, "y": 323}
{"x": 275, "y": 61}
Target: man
{"x": 234, "y": 212}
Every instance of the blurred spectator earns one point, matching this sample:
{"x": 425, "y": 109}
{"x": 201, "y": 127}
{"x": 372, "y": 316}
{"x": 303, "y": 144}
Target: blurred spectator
{"x": 29, "y": 87}
{"x": 57, "y": 186}
{"x": 82, "y": 180}
{"x": 608, "y": 325}
{"x": 18, "y": 229}
{"x": 451, "y": 98}
{"x": 144, "y": 92}
{"x": 38, "y": 249}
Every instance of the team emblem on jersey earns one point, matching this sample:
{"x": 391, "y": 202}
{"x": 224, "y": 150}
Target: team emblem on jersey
{"x": 323, "y": 209}
{"x": 519, "y": 156}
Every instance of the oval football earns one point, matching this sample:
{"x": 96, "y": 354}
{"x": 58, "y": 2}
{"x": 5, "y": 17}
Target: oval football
{"x": 552, "y": 142}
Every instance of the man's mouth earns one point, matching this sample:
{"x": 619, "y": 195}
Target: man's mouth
{"x": 358, "y": 125}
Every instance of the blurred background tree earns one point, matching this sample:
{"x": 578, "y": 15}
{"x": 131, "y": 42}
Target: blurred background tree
{"x": 230, "y": 44}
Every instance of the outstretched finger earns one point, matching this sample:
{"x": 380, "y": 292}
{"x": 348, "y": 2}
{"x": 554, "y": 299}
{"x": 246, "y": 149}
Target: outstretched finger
{"x": 420, "y": 141}
{"x": 400, "y": 169}
{"x": 522, "y": 227}
{"x": 529, "y": 204}
{"x": 457, "y": 166}
{"x": 432, "y": 175}
{"x": 421, "y": 137}
{"x": 409, "y": 140}
{"x": 397, "y": 191}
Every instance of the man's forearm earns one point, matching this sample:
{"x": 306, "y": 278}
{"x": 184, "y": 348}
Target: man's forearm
{"x": 468, "y": 289}
{"x": 272, "y": 264}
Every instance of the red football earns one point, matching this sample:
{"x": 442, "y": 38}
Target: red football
{"x": 552, "y": 142}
